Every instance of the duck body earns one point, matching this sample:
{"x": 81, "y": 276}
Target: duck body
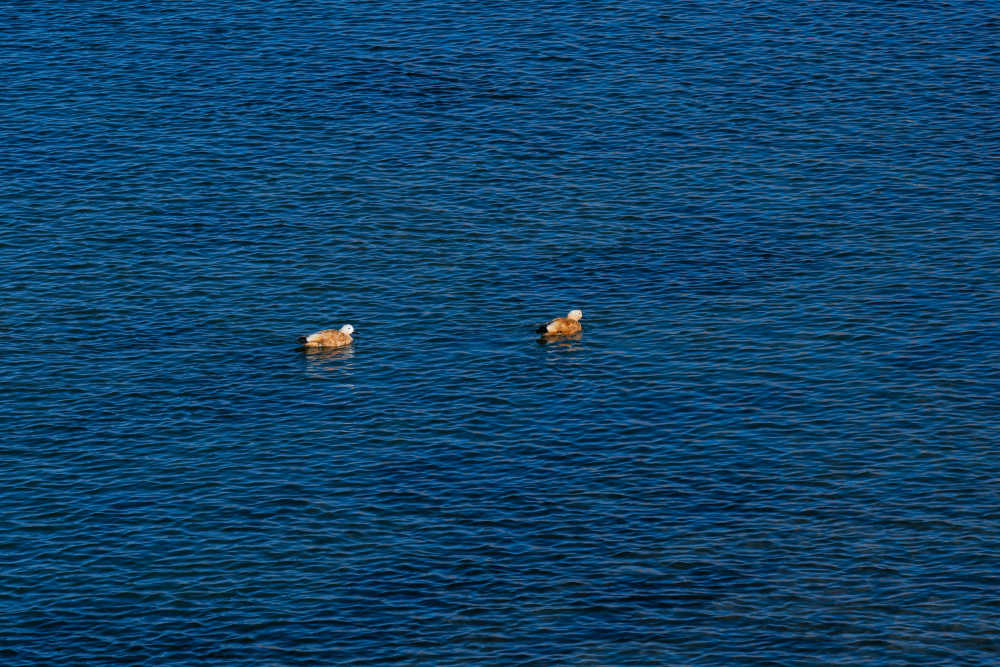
{"x": 329, "y": 338}
{"x": 563, "y": 326}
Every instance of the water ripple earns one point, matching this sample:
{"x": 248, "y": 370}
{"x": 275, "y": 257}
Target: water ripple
{"x": 774, "y": 441}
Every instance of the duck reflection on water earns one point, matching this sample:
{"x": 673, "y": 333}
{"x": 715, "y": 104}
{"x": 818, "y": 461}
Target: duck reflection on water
{"x": 560, "y": 341}
{"x": 321, "y": 362}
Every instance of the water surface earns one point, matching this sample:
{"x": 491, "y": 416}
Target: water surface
{"x": 776, "y": 440}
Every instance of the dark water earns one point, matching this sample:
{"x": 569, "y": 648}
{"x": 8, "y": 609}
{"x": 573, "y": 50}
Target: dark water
{"x": 776, "y": 441}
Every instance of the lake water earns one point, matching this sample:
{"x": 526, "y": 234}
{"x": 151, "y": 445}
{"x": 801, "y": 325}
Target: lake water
{"x": 775, "y": 442}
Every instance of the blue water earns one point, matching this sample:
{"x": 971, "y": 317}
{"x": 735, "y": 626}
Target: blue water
{"x": 777, "y": 441}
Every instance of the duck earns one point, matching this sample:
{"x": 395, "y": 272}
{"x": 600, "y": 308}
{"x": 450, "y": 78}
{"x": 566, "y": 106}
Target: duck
{"x": 329, "y": 337}
{"x": 563, "y": 326}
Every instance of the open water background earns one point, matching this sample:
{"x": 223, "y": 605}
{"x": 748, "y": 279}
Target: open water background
{"x": 776, "y": 441}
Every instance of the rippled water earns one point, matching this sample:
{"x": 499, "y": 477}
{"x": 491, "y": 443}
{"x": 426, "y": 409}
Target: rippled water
{"x": 776, "y": 440}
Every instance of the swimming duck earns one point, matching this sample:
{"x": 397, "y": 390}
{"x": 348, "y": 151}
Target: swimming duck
{"x": 329, "y": 337}
{"x": 563, "y": 326}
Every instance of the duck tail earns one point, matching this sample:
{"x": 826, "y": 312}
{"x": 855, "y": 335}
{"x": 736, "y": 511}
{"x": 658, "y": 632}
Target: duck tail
{"x": 302, "y": 340}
